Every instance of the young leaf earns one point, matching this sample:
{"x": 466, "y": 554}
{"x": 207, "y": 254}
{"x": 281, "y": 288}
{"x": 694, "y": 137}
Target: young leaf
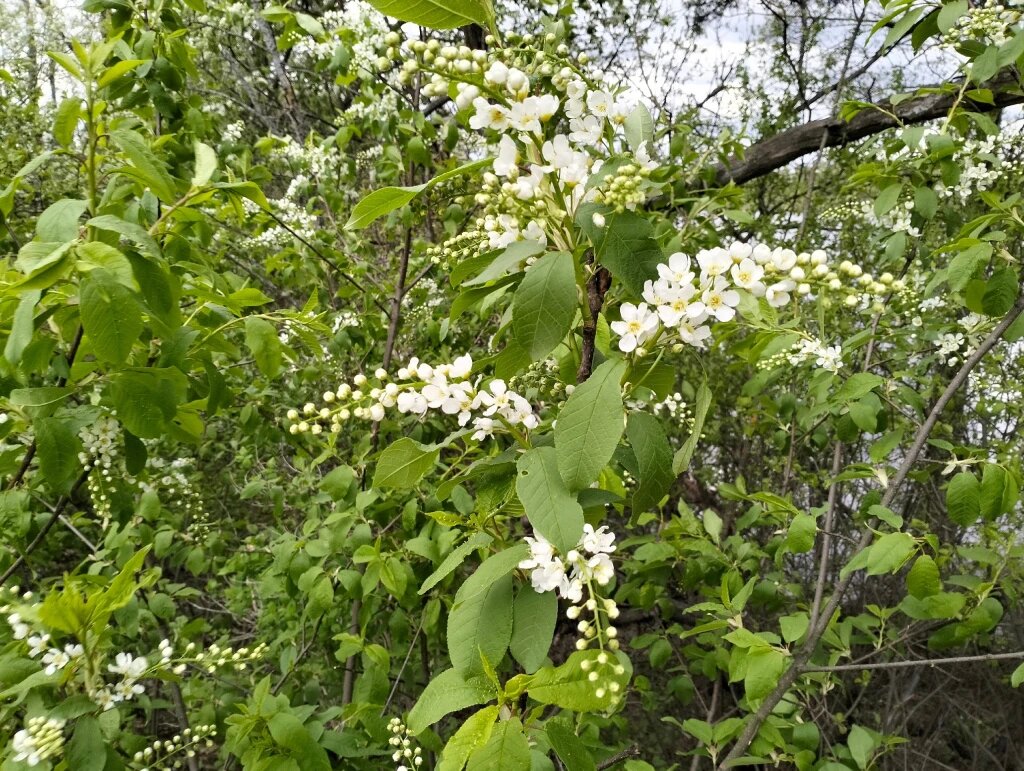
{"x": 590, "y": 426}
{"x": 625, "y": 244}
{"x": 507, "y": 749}
{"x": 963, "y": 498}
{"x": 681, "y": 461}
{"x": 923, "y": 579}
{"x": 889, "y": 552}
{"x": 474, "y": 733}
{"x": 453, "y": 560}
{"x": 438, "y": 14}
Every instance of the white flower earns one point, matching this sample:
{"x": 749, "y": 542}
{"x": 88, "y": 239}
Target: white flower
{"x": 714, "y": 262}
{"x": 412, "y": 402}
{"x": 585, "y": 130}
{"x": 544, "y": 106}
{"x": 496, "y": 74}
{"x": 19, "y": 629}
{"x": 597, "y": 541}
{"x": 720, "y": 301}
{"x": 24, "y": 747}
{"x": 677, "y": 269}
{"x": 747, "y": 275}
{"x": 600, "y": 103}
{"x": 508, "y": 157}
{"x": 488, "y": 115}
{"x": 678, "y": 304}
{"x": 484, "y": 428}
{"x": 37, "y": 644}
{"x": 783, "y": 260}
{"x": 637, "y": 326}
{"x": 692, "y": 334}
{"x": 104, "y": 699}
{"x": 525, "y": 117}
{"x": 129, "y": 666}
{"x": 571, "y": 589}
{"x": 777, "y": 294}
{"x": 601, "y": 568}
{"x": 55, "y": 660}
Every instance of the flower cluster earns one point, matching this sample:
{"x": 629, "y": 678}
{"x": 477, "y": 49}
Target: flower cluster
{"x": 687, "y": 298}
{"x": 581, "y": 568}
{"x": 809, "y": 349}
{"x": 405, "y": 754}
{"x": 41, "y": 738}
{"x": 993, "y": 23}
{"x": 161, "y": 753}
{"x": 174, "y": 484}
{"x": 420, "y": 387}
{"x": 101, "y": 455}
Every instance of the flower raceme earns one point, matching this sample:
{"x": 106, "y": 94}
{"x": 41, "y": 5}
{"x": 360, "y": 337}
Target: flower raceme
{"x": 691, "y": 294}
{"x": 581, "y": 568}
{"x": 419, "y": 388}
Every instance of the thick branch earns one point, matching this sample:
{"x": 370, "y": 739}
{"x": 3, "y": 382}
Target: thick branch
{"x": 775, "y": 152}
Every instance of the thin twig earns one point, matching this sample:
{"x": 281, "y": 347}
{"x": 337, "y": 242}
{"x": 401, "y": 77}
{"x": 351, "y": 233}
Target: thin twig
{"x": 917, "y": 662}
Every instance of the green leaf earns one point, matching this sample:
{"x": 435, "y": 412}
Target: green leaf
{"x": 963, "y": 498}
{"x": 544, "y": 305}
{"x": 447, "y": 693}
{"x": 998, "y": 491}
{"x": 65, "y": 120}
{"x": 507, "y": 749}
{"x": 147, "y": 399}
{"x": 22, "y": 326}
{"x": 764, "y": 667}
{"x": 862, "y": 746}
{"x": 625, "y": 244}
{"x": 133, "y": 232}
{"x": 1000, "y": 292}
{"x": 474, "y": 733}
{"x": 552, "y": 510}
{"x": 802, "y": 530}
{"x": 639, "y": 127}
{"x": 96, "y": 254}
{"x": 289, "y": 732}
{"x": 110, "y": 315}
{"x": 569, "y": 686}
{"x": 438, "y": 14}
{"x": 404, "y": 463}
{"x": 262, "y": 340}
{"x": 59, "y": 222}
{"x": 1017, "y": 677}
{"x": 889, "y": 552}
{"x": 115, "y": 71}
{"x": 87, "y": 751}
{"x": 512, "y": 256}
{"x": 590, "y": 425}
{"x": 57, "y": 447}
{"x": 570, "y": 750}
{"x": 794, "y": 627}
{"x": 206, "y": 164}
{"x": 387, "y": 199}
{"x": 456, "y": 558}
{"x": 923, "y": 579}
{"x": 653, "y": 459}
{"x": 950, "y": 12}
{"x": 681, "y": 461}
{"x": 926, "y": 203}
{"x": 145, "y": 166}
{"x": 534, "y": 615}
{"x": 480, "y": 621}
{"x": 856, "y": 387}
{"x": 888, "y": 198}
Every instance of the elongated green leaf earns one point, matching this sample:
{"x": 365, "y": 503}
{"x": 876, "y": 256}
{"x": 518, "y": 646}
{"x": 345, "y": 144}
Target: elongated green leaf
{"x": 998, "y": 491}
{"x": 438, "y": 14}
{"x": 110, "y": 316}
{"x": 22, "y": 326}
{"x": 963, "y": 498}
{"x": 404, "y": 463}
{"x": 590, "y": 426}
{"x": 446, "y": 693}
{"x": 545, "y": 304}
{"x": 57, "y": 447}
{"x": 261, "y": 338}
{"x": 86, "y": 751}
{"x": 145, "y": 166}
{"x": 130, "y": 230}
{"x": 551, "y": 508}
{"x": 653, "y": 459}
{"x": 206, "y": 164}
{"x": 480, "y": 621}
{"x": 569, "y": 686}
{"x": 889, "y": 552}
{"x": 681, "y": 461}
{"x": 534, "y": 615}
{"x": 923, "y": 579}
{"x": 387, "y": 199}
{"x": 453, "y": 560}
{"x": 507, "y": 749}
{"x": 59, "y": 222}
{"x": 474, "y": 733}
{"x": 571, "y": 751}
{"x": 65, "y": 121}
{"x": 147, "y": 400}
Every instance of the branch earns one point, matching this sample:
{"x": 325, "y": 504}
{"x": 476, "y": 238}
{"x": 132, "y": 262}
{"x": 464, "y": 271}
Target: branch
{"x": 614, "y": 760}
{"x": 917, "y": 663}
{"x": 776, "y": 152}
{"x": 798, "y": 667}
